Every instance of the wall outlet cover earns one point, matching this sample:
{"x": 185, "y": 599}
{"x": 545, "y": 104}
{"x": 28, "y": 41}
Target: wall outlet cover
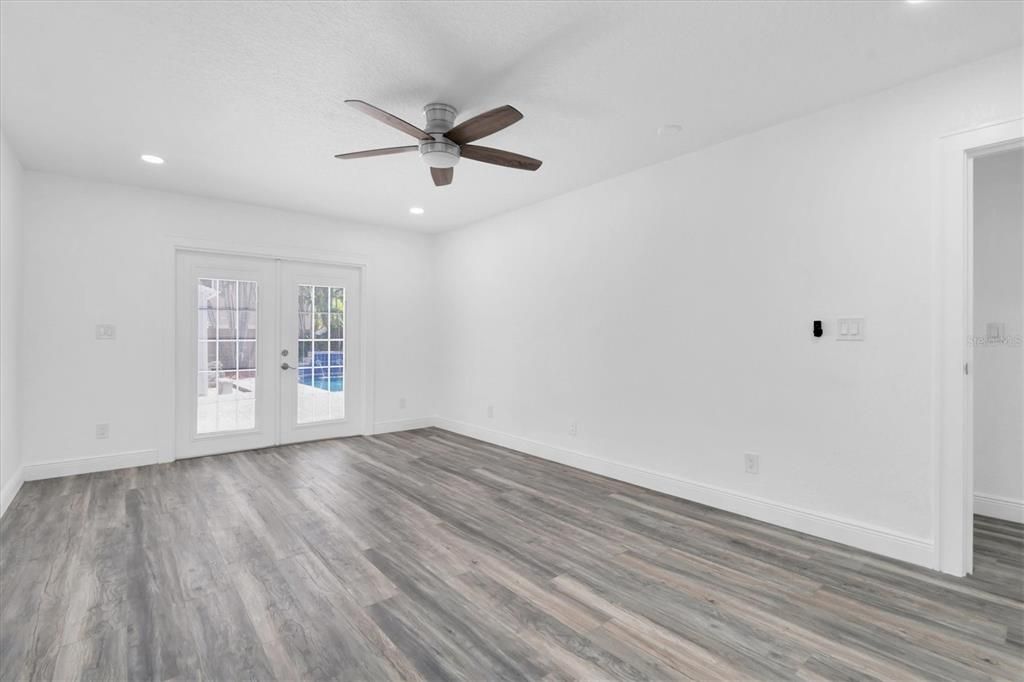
{"x": 751, "y": 463}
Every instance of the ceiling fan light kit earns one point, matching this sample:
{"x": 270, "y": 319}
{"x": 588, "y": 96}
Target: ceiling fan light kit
{"x": 439, "y": 153}
{"x": 442, "y": 143}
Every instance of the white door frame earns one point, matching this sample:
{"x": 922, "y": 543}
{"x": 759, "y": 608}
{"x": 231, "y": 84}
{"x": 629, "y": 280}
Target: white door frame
{"x": 954, "y": 493}
{"x": 363, "y": 263}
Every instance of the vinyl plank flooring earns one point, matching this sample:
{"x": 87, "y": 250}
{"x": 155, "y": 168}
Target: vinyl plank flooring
{"x": 561, "y": 648}
{"x": 426, "y": 555}
{"x": 297, "y": 646}
{"x": 226, "y": 642}
{"x": 102, "y": 657}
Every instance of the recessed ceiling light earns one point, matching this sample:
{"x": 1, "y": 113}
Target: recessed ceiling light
{"x": 149, "y": 158}
{"x": 670, "y": 129}
{"x": 915, "y": 2}
{"x": 416, "y": 210}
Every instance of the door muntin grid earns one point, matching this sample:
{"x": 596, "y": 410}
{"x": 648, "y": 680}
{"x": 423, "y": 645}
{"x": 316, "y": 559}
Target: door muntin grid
{"x": 226, "y": 361}
{"x": 320, "y": 382}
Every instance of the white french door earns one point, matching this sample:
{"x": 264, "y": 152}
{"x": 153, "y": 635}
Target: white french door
{"x": 320, "y": 376}
{"x": 267, "y": 352}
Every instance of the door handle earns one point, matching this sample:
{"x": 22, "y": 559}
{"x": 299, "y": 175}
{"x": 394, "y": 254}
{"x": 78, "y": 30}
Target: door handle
{"x": 285, "y": 365}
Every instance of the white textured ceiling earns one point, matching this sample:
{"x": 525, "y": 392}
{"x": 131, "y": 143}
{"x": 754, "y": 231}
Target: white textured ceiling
{"x": 245, "y": 100}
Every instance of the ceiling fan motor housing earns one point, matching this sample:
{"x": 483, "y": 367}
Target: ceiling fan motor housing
{"x": 439, "y": 152}
{"x": 440, "y": 117}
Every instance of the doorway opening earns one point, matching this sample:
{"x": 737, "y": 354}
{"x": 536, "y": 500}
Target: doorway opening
{"x": 997, "y": 341}
{"x": 954, "y": 472}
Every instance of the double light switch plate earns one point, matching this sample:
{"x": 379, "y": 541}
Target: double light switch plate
{"x": 850, "y": 329}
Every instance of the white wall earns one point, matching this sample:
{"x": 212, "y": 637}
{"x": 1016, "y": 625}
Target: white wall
{"x": 668, "y": 312}
{"x": 103, "y": 253}
{"x": 11, "y": 179}
{"x": 999, "y": 368}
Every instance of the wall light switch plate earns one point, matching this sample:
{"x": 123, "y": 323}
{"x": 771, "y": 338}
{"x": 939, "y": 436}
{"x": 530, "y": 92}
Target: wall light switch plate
{"x": 105, "y": 332}
{"x": 995, "y": 332}
{"x": 850, "y": 329}
{"x": 103, "y": 430}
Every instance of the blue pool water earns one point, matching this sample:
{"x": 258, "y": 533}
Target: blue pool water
{"x": 323, "y": 372}
{"x": 332, "y": 384}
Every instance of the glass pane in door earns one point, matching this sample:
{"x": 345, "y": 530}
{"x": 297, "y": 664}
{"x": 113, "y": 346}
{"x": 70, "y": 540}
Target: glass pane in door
{"x": 226, "y": 362}
{"x": 321, "y": 360}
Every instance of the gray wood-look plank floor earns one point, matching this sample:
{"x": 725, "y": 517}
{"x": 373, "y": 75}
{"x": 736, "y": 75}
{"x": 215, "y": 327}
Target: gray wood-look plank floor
{"x": 427, "y": 555}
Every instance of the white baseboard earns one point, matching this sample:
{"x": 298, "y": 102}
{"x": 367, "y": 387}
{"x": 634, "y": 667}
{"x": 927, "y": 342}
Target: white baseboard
{"x": 856, "y": 534}
{"x": 8, "y": 492}
{"x": 88, "y": 465}
{"x": 122, "y": 460}
{"x": 998, "y": 507}
{"x": 403, "y": 424}
{"x": 882, "y": 541}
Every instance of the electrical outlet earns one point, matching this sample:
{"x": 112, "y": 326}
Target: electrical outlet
{"x": 106, "y": 332}
{"x": 490, "y": 411}
{"x": 573, "y": 429}
{"x": 401, "y": 403}
{"x": 103, "y": 430}
{"x": 751, "y": 463}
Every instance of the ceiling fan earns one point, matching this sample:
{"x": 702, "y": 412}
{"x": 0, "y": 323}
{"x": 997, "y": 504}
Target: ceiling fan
{"x": 442, "y": 143}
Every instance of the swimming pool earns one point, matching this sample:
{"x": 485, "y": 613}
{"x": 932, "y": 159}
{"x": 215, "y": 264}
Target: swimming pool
{"x": 324, "y": 372}
{"x": 332, "y": 384}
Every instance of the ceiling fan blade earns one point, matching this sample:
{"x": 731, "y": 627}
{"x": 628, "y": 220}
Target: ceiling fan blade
{"x": 483, "y": 124}
{"x": 388, "y": 119}
{"x": 442, "y": 176}
{"x": 377, "y": 152}
{"x": 500, "y": 157}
